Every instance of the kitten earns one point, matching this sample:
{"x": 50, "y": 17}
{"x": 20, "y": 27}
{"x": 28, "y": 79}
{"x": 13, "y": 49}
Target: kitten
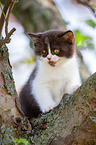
{"x": 56, "y": 72}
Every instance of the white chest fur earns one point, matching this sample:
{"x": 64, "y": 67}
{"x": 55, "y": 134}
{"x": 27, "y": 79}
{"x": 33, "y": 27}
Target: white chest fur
{"x": 51, "y": 83}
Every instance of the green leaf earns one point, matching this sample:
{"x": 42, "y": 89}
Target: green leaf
{"x": 23, "y": 141}
{"x": 89, "y": 42}
{"x": 15, "y": 140}
{"x": 18, "y": 141}
{"x": 91, "y": 23}
{"x": 83, "y": 41}
{"x": 79, "y": 39}
{"x": 2, "y": 11}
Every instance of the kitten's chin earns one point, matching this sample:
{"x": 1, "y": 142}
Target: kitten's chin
{"x": 52, "y": 63}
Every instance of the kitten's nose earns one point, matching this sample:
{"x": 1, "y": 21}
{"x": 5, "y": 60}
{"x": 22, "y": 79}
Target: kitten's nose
{"x": 49, "y": 58}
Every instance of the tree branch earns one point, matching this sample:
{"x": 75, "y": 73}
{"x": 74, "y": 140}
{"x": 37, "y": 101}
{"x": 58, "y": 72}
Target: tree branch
{"x": 86, "y": 3}
{"x": 7, "y": 39}
{"x": 9, "y": 12}
{"x": 3, "y": 41}
{"x": 2, "y": 19}
{"x": 9, "y": 4}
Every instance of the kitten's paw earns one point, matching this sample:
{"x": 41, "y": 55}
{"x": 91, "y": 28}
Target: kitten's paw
{"x": 47, "y": 107}
{"x": 73, "y": 89}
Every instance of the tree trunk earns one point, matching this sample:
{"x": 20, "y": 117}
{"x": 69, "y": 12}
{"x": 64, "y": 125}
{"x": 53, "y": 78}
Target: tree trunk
{"x": 7, "y": 97}
{"x": 73, "y": 121}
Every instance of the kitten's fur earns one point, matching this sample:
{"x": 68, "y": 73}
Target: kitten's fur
{"x": 56, "y": 72}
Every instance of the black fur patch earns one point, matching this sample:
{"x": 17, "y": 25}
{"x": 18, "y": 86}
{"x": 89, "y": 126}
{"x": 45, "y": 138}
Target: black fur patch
{"x": 28, "y": 104}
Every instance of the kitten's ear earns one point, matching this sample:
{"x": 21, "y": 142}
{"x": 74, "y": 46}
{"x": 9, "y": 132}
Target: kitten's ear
{"x": 68, "y": 35}
{"x": 34, "y": 36}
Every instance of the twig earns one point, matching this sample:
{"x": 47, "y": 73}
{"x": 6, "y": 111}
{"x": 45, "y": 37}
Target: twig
{"x": 9, "y": 12}
{"x": 10, "y": 33}
{"x": 9, "y": 4}
{"x": 3, "y": 41}
{"x": 2, "y": 16}
{"x": 2, "y": 11}
{"x": 7, "y": 39}
{"x": 87, "y": 4}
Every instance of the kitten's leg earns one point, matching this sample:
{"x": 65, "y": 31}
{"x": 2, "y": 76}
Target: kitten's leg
{"x": 44, "y": 99}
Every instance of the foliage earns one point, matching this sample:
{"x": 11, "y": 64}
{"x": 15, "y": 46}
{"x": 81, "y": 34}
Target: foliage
{"x": 83, "y": 41}
{"x": 91, "y": 23}
{"x": 18, "y": 141}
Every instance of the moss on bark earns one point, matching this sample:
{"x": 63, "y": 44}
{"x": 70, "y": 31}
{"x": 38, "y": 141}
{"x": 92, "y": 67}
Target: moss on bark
{"x": 6, "y": 71}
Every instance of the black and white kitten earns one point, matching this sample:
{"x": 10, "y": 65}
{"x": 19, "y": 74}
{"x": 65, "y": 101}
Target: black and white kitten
{"x": 56, "y": 72}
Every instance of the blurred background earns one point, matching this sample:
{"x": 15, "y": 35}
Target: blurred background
{"x": 41, "y": 15}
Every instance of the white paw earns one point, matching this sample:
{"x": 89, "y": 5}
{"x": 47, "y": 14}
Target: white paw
{"x": 72, "y": 90}
{"x": 48, "y": 106}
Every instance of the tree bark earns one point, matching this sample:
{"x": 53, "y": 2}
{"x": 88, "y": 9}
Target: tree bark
{"x": 7, "y": 97}
{"x": 7, "y": 87}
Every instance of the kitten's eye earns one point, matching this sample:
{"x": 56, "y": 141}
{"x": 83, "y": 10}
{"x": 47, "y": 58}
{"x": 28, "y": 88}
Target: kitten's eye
{"x": 44, "y": 52}
{"x": 56, "y": 51}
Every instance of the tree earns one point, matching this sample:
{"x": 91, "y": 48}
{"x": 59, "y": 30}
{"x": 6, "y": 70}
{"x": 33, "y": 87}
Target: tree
{"x": 73, "y": 121}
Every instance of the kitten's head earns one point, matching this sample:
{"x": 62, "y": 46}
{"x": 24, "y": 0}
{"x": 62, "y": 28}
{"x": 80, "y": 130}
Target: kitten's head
{"x": 53, "y": 46}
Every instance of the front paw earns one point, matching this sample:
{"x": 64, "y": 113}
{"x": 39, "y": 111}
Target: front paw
{"x": 47, "y": 107}
{"x": 73, "y": 89}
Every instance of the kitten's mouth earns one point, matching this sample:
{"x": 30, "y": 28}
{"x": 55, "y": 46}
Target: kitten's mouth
{"x": 52, "y": 63}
